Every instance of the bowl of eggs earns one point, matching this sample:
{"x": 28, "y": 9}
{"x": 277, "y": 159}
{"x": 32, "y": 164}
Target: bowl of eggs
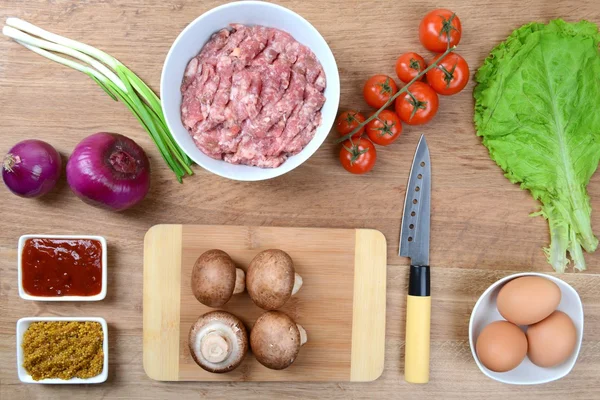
{"x": 526, "y": 329}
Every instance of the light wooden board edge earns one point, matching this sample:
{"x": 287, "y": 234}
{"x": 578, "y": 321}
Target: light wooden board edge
{"x": 368, "y": 319}
{"x": 162, "y": 274}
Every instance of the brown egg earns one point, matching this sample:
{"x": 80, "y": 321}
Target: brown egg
{"x": 528, "y": 299}
{"x": 552, "y": 340}
{"x": 501, "y": 346}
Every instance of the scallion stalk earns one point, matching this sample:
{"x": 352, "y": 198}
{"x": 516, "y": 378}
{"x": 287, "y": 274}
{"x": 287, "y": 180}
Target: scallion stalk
{"x": 118, "y": 81}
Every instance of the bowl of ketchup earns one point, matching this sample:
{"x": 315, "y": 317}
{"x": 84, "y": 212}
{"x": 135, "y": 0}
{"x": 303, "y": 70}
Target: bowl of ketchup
{"x": 62, "y": 268}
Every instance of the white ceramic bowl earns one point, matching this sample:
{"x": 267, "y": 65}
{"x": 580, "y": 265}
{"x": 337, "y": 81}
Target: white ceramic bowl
{"x": 24, "y": 295}
{"x": 527, "y": 373}
{"x": 192, "y": 39}
{"x": 22, "y": 326}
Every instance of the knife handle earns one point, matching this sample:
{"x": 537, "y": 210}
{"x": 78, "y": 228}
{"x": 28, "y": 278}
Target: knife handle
{"x": 418, "y": 325}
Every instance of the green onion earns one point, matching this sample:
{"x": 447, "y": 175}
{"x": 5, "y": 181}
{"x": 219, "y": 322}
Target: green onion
{"x": 118, "y": 81}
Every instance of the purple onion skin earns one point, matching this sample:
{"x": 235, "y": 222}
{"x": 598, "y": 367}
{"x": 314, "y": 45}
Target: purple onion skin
{"x": 31, "y": 168}
{"x": 110, "y": 171}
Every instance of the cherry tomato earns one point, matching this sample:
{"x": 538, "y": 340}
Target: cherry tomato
{"x": 408, "y": 66}
{"x": 385, "y": 128}
{"x": 358, "y": 155}
{"x": 419, "y": 106}
{"x": 347, "y": 121}
{"x": 439, "y": 30}
{"x": 378, "y": 90}
{"x": 450, "y": 76}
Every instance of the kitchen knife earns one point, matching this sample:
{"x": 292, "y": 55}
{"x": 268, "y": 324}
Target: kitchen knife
{"x": 414, "y": 243}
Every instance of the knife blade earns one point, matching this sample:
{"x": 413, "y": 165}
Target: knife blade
{"x": 414, "y": 243}
{"x": 414, "y": 231}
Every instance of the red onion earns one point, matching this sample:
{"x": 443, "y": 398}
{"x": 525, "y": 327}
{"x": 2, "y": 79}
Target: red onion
{"x": 31, "y": 168}
{"x": 109, "y": 170}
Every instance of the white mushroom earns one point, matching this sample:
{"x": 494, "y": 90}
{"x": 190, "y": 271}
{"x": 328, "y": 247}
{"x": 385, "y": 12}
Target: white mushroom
{"x": 218, "y": 341}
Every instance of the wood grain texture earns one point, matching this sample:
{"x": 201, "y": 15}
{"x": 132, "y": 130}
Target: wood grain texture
{"x": 368, "y": 306}
{"x": 162, "y": 295}
{"x": 338, "y": 349}
{"x": 481, "y": 230}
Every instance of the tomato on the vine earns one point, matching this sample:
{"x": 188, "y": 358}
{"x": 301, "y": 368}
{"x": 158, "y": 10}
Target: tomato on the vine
{"x": 348, "y": 121}
{"x": 385, "y": 128}
{"x": 439, "y": 30}
{"x": 378, "y": 90}
{"x": 450, "y": 76}
{"x": 409, "y": 65}
{"x": 419, "y": 105}
{"x": 358, "y": 155}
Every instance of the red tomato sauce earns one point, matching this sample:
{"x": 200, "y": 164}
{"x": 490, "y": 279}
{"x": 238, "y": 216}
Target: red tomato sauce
{"x": 62, "y": 267}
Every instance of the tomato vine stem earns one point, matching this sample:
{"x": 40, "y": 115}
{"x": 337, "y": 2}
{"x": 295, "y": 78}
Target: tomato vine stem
{"x": 448, "y": 75}
{"x": 403, "y": 90}
{"x": 414, "y": 64}
{"x": 386, "y": 129}
{"x": 447, "y": 27}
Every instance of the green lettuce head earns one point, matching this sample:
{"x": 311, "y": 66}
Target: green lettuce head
{"x": 537, "y": 108}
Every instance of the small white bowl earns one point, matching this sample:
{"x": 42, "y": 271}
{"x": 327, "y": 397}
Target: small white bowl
{"x": 191, "y": 40}
{"x": 22, "y": 326}
{"x": 24, "y": 295}
{"x": 527, "y": 373}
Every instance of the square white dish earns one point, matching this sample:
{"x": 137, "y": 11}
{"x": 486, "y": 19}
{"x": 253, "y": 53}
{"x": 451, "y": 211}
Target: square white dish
{"x": 526, "y": 373}
{"x": 22, "y": 326}
{"x": 25, "y": 296}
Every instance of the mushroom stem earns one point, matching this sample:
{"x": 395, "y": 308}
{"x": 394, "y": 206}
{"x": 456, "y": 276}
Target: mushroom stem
{"x": 240, "y": 281}
{"x": 214, "y": 347}
{"x": 303, "y": 335}
{"x": 297, "y": 284}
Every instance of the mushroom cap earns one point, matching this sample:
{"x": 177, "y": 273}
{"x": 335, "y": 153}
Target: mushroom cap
{"x": 230, "y": 336}
{"x": 270, "y": 279}
{"x": 213, "y": 278}
{"x": 275, "y": 340}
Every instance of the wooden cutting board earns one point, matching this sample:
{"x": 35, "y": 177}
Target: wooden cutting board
{"x": 341, "y": 303}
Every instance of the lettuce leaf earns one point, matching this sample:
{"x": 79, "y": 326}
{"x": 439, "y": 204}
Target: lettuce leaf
{"x": 537, "y": 108}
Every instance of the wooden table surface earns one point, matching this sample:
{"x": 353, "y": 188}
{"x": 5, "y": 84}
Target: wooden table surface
{"x": 481, "y": 230}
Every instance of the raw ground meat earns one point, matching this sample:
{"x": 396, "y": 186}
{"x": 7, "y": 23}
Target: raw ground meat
{"x": 252, "y": 96}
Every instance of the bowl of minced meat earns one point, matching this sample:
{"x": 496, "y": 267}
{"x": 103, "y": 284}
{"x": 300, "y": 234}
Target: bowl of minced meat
{"x": 62, "y": 350}
{"x": 250, "y": 90}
